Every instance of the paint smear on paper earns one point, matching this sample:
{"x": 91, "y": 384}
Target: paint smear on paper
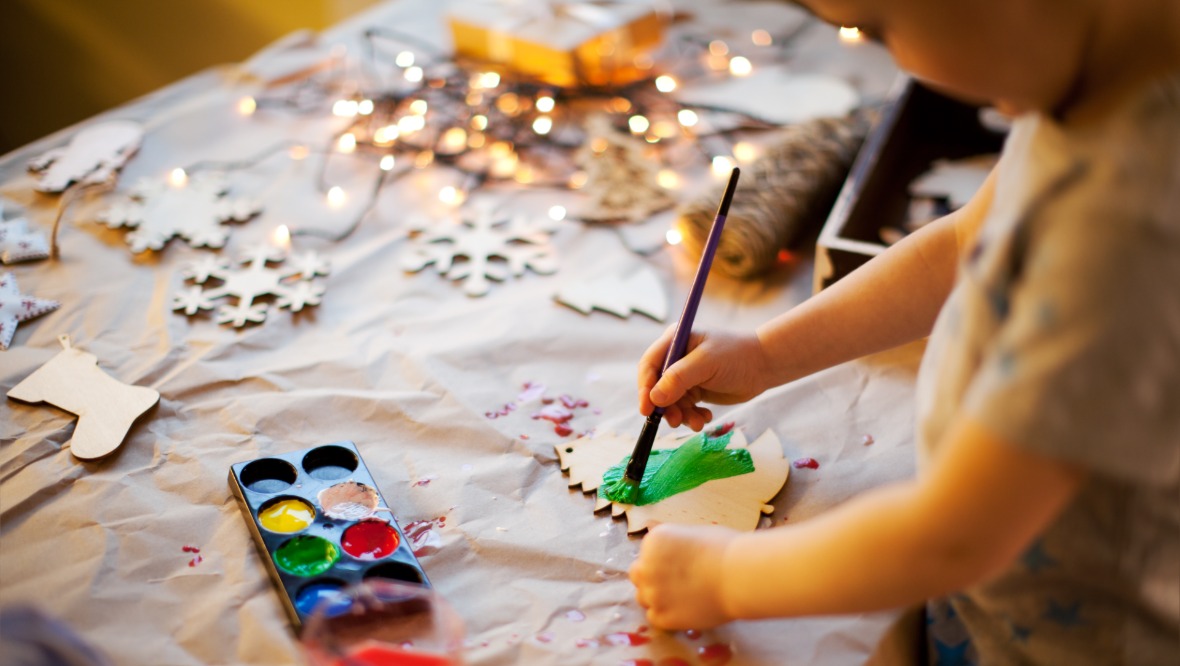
{"x": 423, "y": 539}
{"x": 809, "y": 463}
{"x": 867, "y": 440}
{"x": 717, "y": 654}
{"x": 369, "y": 540}
{"x": 616, "y": 638}
{"x": 700, "y": 459}
{"x": 195, "y": 561}
{"x": 306, "y": 556}
{"x": 286, "y": 516}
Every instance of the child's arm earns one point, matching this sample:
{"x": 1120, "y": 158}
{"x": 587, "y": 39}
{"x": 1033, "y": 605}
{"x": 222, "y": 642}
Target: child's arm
{"x": 891, "y": 300}
{"x": 970, "y": 517}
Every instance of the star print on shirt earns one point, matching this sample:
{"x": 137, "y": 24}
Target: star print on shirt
{"x": 1066, "y": 615}
{"x": 1035, "y": 558}
{"x": 952, "y": 655}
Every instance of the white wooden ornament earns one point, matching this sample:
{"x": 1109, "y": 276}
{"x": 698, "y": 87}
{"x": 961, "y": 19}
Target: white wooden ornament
{"x": 483, "y": 249}
{"x": 956, "y": 180}
{"x": 106, "y": 407}
{"x": 92, "y": 156}
{"x": 737, "y": 501}
{"x": 291, "y": 286}
{"x": 775, "y": 95}
{"x": 18, "y": 243}
{"x": 195, "y": 210}
{"x": 619, "y": 295}
{"x": 17, "y": 307}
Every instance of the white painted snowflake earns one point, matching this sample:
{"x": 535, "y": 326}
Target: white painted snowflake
{"x": 195, "y": 210}
{"x": 18, "y": 243}
{"x": 291, "y": 286}
{"x": 481, "y": 250}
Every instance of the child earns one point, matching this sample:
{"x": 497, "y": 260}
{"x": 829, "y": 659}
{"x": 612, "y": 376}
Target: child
{"x": 1046, "y": 511}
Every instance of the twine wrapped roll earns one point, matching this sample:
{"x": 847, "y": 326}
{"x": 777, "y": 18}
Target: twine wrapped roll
{"x": 781, "y": 199}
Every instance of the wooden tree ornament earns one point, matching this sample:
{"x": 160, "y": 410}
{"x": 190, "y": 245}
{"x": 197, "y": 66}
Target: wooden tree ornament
{"x": 737, "y": 501}
{"x": 639, "y": 292}
{"x": 92, "y": 156}
{"x": 106, "y": 407}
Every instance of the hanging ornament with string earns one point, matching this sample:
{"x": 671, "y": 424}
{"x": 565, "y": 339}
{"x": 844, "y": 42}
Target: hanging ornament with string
{"x": 621, "y": 179}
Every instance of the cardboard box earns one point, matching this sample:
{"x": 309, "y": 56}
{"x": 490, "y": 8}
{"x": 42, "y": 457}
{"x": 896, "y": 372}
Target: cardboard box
{"x": 566, "y": 43}
{"x": 917, "y": 127}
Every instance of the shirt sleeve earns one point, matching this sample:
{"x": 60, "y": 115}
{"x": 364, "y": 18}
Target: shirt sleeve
{"x": 1086, "y": 363}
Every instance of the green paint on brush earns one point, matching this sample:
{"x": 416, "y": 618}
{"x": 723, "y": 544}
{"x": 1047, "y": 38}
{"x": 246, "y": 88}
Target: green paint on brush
{"x": 307, "y": 556}
{"x": 672, "y": 471}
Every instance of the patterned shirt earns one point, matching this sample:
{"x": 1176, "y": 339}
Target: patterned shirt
{"x": 1062, "y": 336}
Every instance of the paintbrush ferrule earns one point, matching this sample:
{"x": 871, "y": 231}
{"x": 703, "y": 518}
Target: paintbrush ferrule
{"x": 642, "y": 452}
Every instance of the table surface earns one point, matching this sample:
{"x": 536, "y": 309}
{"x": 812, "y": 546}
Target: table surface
{"x": 406, "y": 366}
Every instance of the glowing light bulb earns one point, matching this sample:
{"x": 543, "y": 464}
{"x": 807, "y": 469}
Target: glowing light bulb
{"x": 451, "y": 196}
{"x": 413, "y": 74}
{"x": 745, "y": 152}
{"x": 545, "y": 104}
{"x": 387, "y": 163}
{"x": 364, "y": 107}
{"x": 345, "y": 108}
{"x": 247, "y": 106}
{"x": 851, "y": 35}
{"x": 336, "y": 196}
{"x": 665, "y": 83}
{"x": 674, "y": 236}
{"x": 542, "y": 125}
{"x": 740, "y": 66}
{"x": 281, "y": 236}
{"x": 664, "y": 129}
{"x": 177, "y": 177}
{"x": 578, "y": 180}
{"x": 761, "y": 38}
{"x": 419, "y": 107}
{"x": 409, "y": 124}
{"x": 424, "y": 159}
{"x": 404, "y": 59}
{"x": 718, "y": 47}
{"x": 453, "y": 140}
{"x": 490, "y": 79}
{"x": 383, "y": 136}
{"x": 687, "y": 117}
{"x": 476, "y": 140}
{"x": 722, "y": 165}
{"x": 298, "y": 152}
{"x": 638, "y": 124}
{"x": 479, "y": 122}
{"x": 557, "y": 213}
{"x": 668, "y": 179}
{"x": 346, "y": 143}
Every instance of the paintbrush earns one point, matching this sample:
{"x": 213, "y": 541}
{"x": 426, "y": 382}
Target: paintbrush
{"x": 626, "y": 489}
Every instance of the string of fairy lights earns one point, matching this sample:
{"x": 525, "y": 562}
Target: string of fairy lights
{"x": 411, "y": 106}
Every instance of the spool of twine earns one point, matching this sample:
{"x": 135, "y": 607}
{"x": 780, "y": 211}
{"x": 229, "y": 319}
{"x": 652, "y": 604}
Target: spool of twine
{"x": 782, "y": 199}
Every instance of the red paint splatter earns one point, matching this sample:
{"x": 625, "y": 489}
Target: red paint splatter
{"x": 693, "y": 633}
{"x": 546, "y": 400}
{"x": 642, "y": 630}
{"x": 722, "y": 429}
{"x": 423, "y": 539}
{"x": 523, "y": 436}
{"x": 809, "y": 463}
{"x": 531, "y": 392}
{"x": 637, "y": 662}
{"x": 672, "y": 661}
{"x": 867, "y": 440}
{"x": 195, "y": 561}
{"x": 575, "y": 615}
{"x": 554, "y": 413}
{"x": 546, "y": 637}
{"x": 617, "y": 638}
{"x": 563, "y": 430}
{"x": 425, "y": 481}
{"x": 190, "y": 549}
{"x": 507, "y": 409}
{"x": 571, "y": 402}
{"x": 716, "y": 654}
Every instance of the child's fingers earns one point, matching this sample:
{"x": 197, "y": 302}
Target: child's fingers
{"x": 650, "y": 365}
{"x": 678, "y": 380}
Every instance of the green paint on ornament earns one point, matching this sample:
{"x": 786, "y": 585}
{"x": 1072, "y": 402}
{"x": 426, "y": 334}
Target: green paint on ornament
{"x": 669, "y": 472}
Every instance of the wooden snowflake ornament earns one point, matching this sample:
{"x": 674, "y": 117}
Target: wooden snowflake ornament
{"x": 194, "y": 209}
{"x": 735, "y": 501}
{"x": 18, "y": 243}
{"x": 480, "y": 251}
{"x": 291, "y": 287}
{"x": 16, "y": 307}
{"x": 639, "y": 292}
{"x": 106, "y": 407}
{"x": 92, "y": 156}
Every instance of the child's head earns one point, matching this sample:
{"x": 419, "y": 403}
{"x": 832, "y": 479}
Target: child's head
{"x": 1020, "y": 55}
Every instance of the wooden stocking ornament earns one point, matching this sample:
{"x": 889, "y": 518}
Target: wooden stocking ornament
{"x": 106, "y": 407}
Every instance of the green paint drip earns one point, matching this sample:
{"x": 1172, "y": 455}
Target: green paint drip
{"x": 306, "y": 556}
{"x": 672, "y": 471}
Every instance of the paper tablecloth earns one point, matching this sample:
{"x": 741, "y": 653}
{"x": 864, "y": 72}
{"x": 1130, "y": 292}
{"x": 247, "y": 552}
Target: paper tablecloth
{"x": 406, "y": 366}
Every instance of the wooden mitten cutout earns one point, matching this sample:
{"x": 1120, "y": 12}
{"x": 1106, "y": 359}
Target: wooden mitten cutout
{"x": 106, "y": 407}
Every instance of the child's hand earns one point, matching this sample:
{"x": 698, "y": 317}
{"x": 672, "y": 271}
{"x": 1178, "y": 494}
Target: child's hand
{"x": 677, "y": 576}
{"x": 721, "y": 368}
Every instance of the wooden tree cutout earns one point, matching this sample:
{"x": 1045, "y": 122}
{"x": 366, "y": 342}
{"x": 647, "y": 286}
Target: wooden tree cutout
{"x": 737, "y": 501}
{"x": 92, "y": 156}
{"x": 639, "y": 292}
{"x": 106, "y": 407}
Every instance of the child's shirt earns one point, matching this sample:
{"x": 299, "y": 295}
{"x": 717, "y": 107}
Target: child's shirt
{"x": 1062, "y": 336}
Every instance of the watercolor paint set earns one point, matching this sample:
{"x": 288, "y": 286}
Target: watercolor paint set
{"x": 321, "y": 525}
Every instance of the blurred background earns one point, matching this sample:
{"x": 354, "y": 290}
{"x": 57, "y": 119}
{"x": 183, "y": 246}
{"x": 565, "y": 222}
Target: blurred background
{"x": 62, "y": 61}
